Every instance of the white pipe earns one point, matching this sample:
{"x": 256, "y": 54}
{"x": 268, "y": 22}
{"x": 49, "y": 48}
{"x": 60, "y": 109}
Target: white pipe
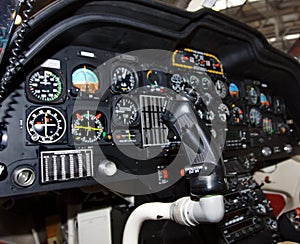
{"x": 191, "y": 213}
{"x": 184, "y": 211}
{"x": 147, "y": 211}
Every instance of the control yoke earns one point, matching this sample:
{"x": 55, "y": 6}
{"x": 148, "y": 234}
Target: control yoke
{"x": 205, "y": 168}
{"x": 205, "y": 171}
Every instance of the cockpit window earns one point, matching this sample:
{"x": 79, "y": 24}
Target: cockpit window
{"x": 8, "y": 10}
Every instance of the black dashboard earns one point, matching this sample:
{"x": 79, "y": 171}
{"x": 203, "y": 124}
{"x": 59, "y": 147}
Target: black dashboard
{"x": 86, "y": 106}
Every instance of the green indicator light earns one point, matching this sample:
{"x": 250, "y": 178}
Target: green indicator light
{"x": 104, "y": 134}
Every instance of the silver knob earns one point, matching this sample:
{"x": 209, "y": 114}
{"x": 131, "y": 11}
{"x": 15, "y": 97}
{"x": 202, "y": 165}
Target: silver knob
{"x": 24, "y": 177}
{"x": 288, "y": 148}
{"x": 266, "y": 151}
{"x": 108, "y": 168}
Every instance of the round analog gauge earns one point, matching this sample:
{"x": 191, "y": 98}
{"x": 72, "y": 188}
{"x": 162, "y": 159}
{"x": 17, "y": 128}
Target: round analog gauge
{"x": 264, "y": 100}
{"x": 255, "y": 116}
{"x": 153, "y": 77}
{"x": 252, "y": 95}
{"x": 178, "y": 82}
{"x": 221, "y": 89}
{"x": 46, "y": 125}
{"x": 194, "y": 81}
{"x": 124, "y": 79}
{"x": 234, "y": 90}
{"x": 85, "y": 79}
{"x": 209, "y": 115}
{"x": 237, "y": 115}
{"x": 126, "y": 112}
{"x": 87, "y": 126}
{"x": 207, "y": 98}
{"x": 45, "y": 86}
{"x": 223, "y": 112}
{"x": 206, "y": 83}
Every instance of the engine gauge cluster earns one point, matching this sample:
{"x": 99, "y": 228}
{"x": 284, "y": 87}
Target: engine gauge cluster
{"x": 88, "y": 106}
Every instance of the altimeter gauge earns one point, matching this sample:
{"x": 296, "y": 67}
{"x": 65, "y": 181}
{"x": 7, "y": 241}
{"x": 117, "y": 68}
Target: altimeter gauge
{"x": 46, "y": 125}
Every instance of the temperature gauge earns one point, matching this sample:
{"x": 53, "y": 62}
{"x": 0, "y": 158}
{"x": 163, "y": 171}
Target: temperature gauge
{"x": 46, "y": 125}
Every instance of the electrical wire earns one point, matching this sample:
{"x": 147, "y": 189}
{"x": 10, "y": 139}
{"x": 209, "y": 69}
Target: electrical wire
{"x": 17, "y": 50}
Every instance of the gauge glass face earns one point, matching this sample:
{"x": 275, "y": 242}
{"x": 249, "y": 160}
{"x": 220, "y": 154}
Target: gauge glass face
{"x": 234, "y": 90}
{"x": 268, "y": 126}
{"x": 264, "y": 100}
{"x": 46, "y": 125}
{"x": 124, "y": 79}
{"x": 252, "y": 95}
{"x": 87, "y": 126}
{"x": 207, "y": 98}
{"x": 223, "y": 112}
{"x": 237, "y": 115}
{"x": 255, "y": 116}
{"x": 45, "y": 86}
{"x": 178, "y": 82}
{"x": 85, "y": 79}
{"x": 153, "y": 78}
{"x": 126, "y": 112}
{"x": 194, "y": 81}
{"x": 206, "y": 83}
{"x": 221, "y": 89}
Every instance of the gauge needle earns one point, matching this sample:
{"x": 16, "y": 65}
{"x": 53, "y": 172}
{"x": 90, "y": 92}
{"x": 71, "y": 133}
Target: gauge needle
{"x": 86, "y": 80}
{"x": 88, "y": 123}
{"x": 44, "y": 82}
{"x": 89, "y": 128}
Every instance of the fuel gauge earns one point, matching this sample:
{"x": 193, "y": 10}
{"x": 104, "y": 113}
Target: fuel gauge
{"x": 153, "y": 78}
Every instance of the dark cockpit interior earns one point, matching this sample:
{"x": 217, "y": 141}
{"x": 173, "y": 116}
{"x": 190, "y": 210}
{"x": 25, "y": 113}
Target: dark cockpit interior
{"x": 105, "y": 101}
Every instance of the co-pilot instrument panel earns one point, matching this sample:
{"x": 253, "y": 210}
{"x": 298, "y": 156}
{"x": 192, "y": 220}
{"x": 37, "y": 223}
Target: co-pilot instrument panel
{"x": 80, "y": 112}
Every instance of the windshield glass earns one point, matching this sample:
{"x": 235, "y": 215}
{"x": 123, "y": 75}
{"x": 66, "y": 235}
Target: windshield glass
{"x": 8, "y": 10}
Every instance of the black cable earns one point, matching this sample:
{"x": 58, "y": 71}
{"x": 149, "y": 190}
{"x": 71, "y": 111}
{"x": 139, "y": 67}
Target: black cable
{"x": 17, "y": 50}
